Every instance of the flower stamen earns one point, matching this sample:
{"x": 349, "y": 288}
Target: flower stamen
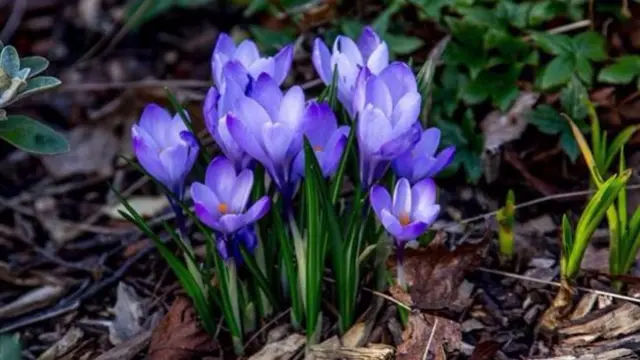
{"x": 404, "y": 219}
{"x": 223, "y": 208}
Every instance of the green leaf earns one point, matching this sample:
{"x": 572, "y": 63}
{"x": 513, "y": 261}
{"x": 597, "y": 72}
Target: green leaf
{"x": 351, "y": 28}
{"x": 32, "y": 136}
{"x": 570, "y": 146}
{"x": 481, "y": 16}
{"x": 403, "y": 45}
{"x": 558, "y": 71}
{"x": 547, "y": 119}
{"x": 558, "y": 44}
{"x": 543, "y": 11}
{"x": 254, "y": 7}
{"x": 272, "y": 40}
{"x": 472, "y": 165}
{"x": 37, "y": 64}
{"x": 475, "y": 91}
{"x": 584, "y": 70}
{"x": 431, "y": 9}
{"x": 451, "y": 133}
{"x": 10, "y": 61}
{"x": 10, "y": 348}
{"x": 623, "y": 71}
{"x": 35, "y": 85}
{"x": 591, "y": 45}
{"x": 572, "y": 98}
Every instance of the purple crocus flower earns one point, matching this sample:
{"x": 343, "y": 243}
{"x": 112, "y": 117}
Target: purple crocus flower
{"x": 216, "y": 107}
{"x": 370, "y": 52}
{"x": 268, "y": 126}
{"x": 164, "y": 147}
{"x": 243, "y": 62}
{"x": 408, "y": 215}
{"x": 221, "y": 201}
{"x": 421, "y": 161}
{"x": 327, "y": 139}
{"x": 387, "y": 107}
{"x": 230, "y": 248}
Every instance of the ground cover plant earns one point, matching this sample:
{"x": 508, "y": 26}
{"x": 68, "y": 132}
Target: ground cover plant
{"x": 326, "y": 179}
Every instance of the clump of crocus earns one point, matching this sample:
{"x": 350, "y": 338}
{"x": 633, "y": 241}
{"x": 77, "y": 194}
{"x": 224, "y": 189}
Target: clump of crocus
{"x": 421, "y": 161}
{"x": 349, "y": 58}
{"x": 215, "y": 109}
{"x": 268, "y": 126}
{"x": 165, "y": 148}
{"x": 243, "y": 63}
{"x": 327, "y": 139}
{"x": 387, "y": 107}
{"x": 407, "y": 215}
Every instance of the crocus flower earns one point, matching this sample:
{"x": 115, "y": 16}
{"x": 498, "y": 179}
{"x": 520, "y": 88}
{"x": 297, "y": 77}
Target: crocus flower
{"x": 421, "y": 161}
{"x": 221, "y": 201}
{"x": 370, "y": 52}
{"x": 164, "y": 147}
{"x": 268, "y": 126}
{"x": 215, "y": 109}
{"x": 408, "y": 215}
{"x": 327, "y": 139}
{"x": 244, "y": 63}
{"x": 230, "y": 247}
{"x": 387, "y": 107}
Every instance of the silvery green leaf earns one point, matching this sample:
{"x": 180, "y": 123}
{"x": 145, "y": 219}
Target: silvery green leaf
{"x": 3, "y": 115}
{"x": 32, "y": 136}
{"x": 10, "y": 61}
{"x": 36, "y": 84}
{"x": 37, "y": 64}
{"x": 23, "y": 74}
{"x": 9, "y": 345}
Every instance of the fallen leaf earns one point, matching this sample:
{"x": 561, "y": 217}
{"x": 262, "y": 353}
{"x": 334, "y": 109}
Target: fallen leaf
{"x": 499, "y": 128}
{"x": 128, "y": 349}
{"x": 418, "y": 331}
{"x": 92, "y": 151}
{"x": 129, "y": 311}
{"x": 35, "y": 299}
{"x": 64, "y": 346}
{"x": 434, "y": 274}
{"x": 485, "y": 350}
{"x": 178, "y": 336}
{"x": 604, "y": 97}
{"x": 146, "y": 206}
{"x": 283, "y": 349}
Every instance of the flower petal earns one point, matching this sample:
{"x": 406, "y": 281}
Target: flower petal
{"x": 321, "y": 59}
{"x": 403, "y": 165}
{"x": 400, "y": 144}
{"x": 442, "y": 160}
{"x": 247, "y": 53}
{"x": 406, "y": 112}
{"x": 402, "y": 198}
{"x": 378, "y": 94}
{"x": 230, "y": 223}
{"x": 390, "y": 223}
{"x": 423, "y": 166}
{"x": 262, "y": 66}
{"x": 368, "y": 42}
{"x": 210, "y": 110}
{"x": 241, "y": 191}
{"x": 423, "y": 196}
{"x": 412, "y": 231}
{"x": 283, "y": 60}
{"x": 373, "y": 129}
{"x": 257, "y": 211}
{"x": 399, "y": 79}
{"x": 277, "y": 138}
{"x": 226, "y": 142}
{"x": 319, "y": 123}
{"x": 349, "y": 48}
{"x": 147, "y": 154}
{"x": 360, "y": 92}
{"x": 379, "y": 59}
{"x": 380, "y": 199}
{"x": 225, "y": 45}
{"x": 234, "y": 71}
{"x": 221, "y": 177}
{"x": 292, "y": 109}
{"x": 247, "y": 140}
{"x": 155, "y": 120}
{"x": 428, "y": 143}
{"x": 268, "y": 94}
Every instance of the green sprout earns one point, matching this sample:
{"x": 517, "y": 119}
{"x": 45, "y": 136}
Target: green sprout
{"x": 506, "y": 221}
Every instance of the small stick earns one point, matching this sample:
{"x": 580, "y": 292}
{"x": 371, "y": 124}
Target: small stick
{"x": 433, "y": 331}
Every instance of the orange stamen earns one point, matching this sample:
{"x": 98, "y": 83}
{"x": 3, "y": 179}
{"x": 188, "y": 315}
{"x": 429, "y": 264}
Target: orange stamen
{"x": 317, "y": 148}
{"x": 404, "y": 219}
{"x": 223, "y": 208}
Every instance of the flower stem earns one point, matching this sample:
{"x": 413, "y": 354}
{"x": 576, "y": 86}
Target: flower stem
{"x": 400, "y": 263}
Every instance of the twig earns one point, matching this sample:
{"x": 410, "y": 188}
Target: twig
{"x": 14, "y": 20}
{"x": 557, "y": 284}
{"x": 266, "y": 326}
{"x": 40, "y": 317}
{"x": 564, "y": 28}
{"x": 433, "y": 331}
{"x": 540, "y": 200}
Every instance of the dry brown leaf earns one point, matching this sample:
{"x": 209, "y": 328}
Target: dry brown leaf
{"x": 485, "y": 350}
{"x": 499, "y": 128}
{"x": 92, "y": 151}
{"x": 129, "y": 312}
{"x": 178, "y": 336}
{"x": 416, "y": 336}
{"x": 146, "y": 206}
{"x": 433, "y": 274}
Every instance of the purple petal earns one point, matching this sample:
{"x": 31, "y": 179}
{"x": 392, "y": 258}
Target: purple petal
{"x": 235, "y": 72}
{"x": 321, "y": 59}
{"x": 360, "y": 92}
{"x": 283, "y": 60}
{"x": 292, "y": 109}
{"x": 175, "y": 160}
{"x": 403, "y": 165}
{"x": 241, "y": 191}
{"x": 390, "y": 223}
{"x": 258, "y": 210}
{"x": 402, "y": 198}
{"x": 380, "y": 199}
{"x": 412, "y": 231}
{"x": 147, "y": 155}
{"x": 428, "y": 143}
{"x": 155, "y": 120}
{"x": 423, "y": 167}
{"x": 378, "y": 94}
{"x": 373, "y": 129}
{"x": 277, "y": 138}
{"x": 247, "y": 53}
{"x": 399, "y": 79}
{"x": 319, "y": 123}
{"x": 220, "y": 177}
{"x": 230, "y": 223}
{"x": 226, "y": 142}
{"x": 349, "y": 48}
{"x": 379, "y": 59}
{"x": 262, "y": 66}
{"x": 368, "y": 42}
{"x": 333, "y": 153}
{"x": 210, "y": 110}
{"x": 442, "y": 160}
{"x": 217, "y": 64}
{"x": 225, "y": 46}
{"x": 423, "y": 196}
{"x": 297, "y": 166}
{"x": 246, "y": 140}
{"x": 268, "y": 94}
{"x": 252, "y": 114}
{"x": 400, "y": 144}
{"x": 406, "y": 112}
